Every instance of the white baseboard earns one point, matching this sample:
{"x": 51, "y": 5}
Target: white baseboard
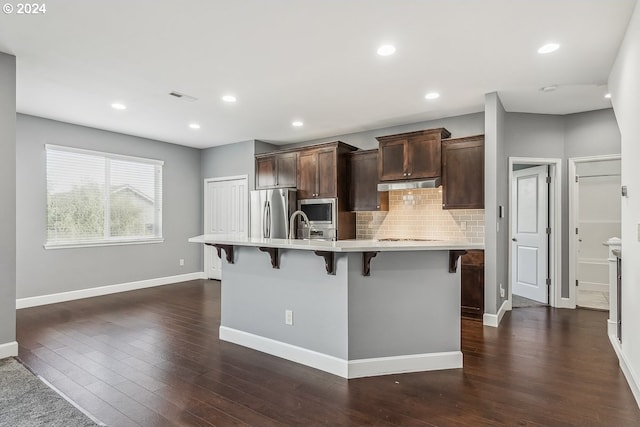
{"x": 9, "y": 349}
{"x": 612, "y": 328}
{"x": 565, "y": 303}
{"x": 495, "y": 319}
{"x": 104, "y": 290}
{"x": 627, "y": 370}
{"x": 403, "y": 364}
{"x": 340, "y": 367}
{"x": 324, "y": 362}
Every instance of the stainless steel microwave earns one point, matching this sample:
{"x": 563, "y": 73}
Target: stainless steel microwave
{"x": 320, "y": 211}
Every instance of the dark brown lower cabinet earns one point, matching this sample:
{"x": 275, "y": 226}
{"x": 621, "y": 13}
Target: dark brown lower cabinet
{"x": 472, "y": 283}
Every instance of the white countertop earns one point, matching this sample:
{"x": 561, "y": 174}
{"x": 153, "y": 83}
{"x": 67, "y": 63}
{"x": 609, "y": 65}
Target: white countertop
{"x": 338, "y": 246}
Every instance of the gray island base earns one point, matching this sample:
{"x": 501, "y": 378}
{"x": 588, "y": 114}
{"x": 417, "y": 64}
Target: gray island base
{"x": 403, "y": 317}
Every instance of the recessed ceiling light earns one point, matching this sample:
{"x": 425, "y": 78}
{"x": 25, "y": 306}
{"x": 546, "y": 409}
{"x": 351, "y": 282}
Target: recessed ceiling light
{"x": 607, "y": 95}
{"x": 118, "y": 106}
{"x": 229, "y": 98}
{"x": 548, "y": 88}
{"x": 432, "y": 95}
{"x": 548, "y": 48}
{"x": 297, "y": 123}
{"x": 194, "y": 125}
{"x": 386, "y": 50}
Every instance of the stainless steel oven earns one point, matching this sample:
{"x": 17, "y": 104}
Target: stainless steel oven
{"x": 323, "y": 218}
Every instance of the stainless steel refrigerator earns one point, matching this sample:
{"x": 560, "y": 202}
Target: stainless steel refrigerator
{"x": 270, "y": 211}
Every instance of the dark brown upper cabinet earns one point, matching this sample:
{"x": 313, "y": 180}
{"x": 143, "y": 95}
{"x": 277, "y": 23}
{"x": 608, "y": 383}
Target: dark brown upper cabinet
{"x": 276, "y": 170}
{"x": 322, "y": 171}
{"x": 363, "y": 182}
{"x": 463, "y": 173}
{"x": 412, "y": 155}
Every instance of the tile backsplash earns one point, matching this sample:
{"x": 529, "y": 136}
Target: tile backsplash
{"x": 418, "y": 214}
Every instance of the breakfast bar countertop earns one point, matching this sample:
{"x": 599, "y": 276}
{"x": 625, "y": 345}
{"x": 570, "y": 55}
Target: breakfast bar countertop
{"x": 340, "y": 245}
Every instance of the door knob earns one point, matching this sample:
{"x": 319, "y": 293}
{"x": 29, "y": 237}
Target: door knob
{"x": 514, "y": 239}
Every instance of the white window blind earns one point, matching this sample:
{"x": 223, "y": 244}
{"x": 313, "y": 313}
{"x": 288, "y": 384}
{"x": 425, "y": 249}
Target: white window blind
{"x": 96, "y": 198}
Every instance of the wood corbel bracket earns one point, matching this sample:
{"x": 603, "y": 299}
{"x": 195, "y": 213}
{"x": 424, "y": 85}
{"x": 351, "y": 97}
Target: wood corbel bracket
{"x": 366, "y": 262}
{"x": 329, "y": 260}
{"x": 453, "y": 259}
{"x": 228, "y": 250}
{"x": 275, "y": 258}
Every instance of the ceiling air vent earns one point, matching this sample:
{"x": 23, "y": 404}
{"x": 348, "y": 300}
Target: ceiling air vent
{"x": 183, "y": 96}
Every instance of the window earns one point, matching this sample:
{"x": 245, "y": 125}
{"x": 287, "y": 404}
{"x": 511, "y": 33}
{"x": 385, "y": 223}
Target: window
{"x": 96, "y": 198}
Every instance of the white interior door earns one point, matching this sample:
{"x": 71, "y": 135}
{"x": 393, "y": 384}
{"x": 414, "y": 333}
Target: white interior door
{"x": 225, "y": 212}
{"x": 530, "y": 239}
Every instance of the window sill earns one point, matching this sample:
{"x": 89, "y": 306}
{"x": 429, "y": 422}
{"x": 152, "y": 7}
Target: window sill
{"x": 73, "y": 245}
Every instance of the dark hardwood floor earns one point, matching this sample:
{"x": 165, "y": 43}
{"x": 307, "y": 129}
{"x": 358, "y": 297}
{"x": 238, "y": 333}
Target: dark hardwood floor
{"x": 152, "y": 358}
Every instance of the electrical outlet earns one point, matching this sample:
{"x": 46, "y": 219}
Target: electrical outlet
{"x": 501, "y": 291}
{"x": 288, "y": 317}
{"x": 181, "y": 262}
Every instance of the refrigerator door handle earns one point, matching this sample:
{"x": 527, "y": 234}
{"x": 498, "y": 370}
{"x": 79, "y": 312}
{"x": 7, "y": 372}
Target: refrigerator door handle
{"x": 264, "y": 220}
{"x": 268, "y": 222}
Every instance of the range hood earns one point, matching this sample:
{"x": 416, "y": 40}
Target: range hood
{"x": 409, "y": 185}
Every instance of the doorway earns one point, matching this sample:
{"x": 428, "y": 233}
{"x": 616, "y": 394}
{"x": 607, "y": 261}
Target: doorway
{"x": 226, "y": 206}
{"x": 530, "y": 231}
{"x": 595, "y": 215}
{"x": 534, "y": 233}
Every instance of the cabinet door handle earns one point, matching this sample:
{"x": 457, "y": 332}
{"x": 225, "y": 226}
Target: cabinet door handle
{"x": 409, "y": 174}
{"x": 404, "y": 174}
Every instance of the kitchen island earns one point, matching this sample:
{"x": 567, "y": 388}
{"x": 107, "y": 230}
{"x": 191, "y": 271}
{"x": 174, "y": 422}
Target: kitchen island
{"x": 353, "y": 308}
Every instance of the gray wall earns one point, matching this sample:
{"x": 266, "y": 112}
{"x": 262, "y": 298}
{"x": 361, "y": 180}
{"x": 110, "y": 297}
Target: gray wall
{"x": 494, "y": 226}
{"x": 593, "y": 133}
{"x": 229, "y": 160}
{"x": 550, "y": 136}
{"x": 42, "y": 272}
{"x": 502, "y": 199}
{"x": 8, "y": 197}
{"x": 624, "y": 83}
{"x": 459, "y": 126}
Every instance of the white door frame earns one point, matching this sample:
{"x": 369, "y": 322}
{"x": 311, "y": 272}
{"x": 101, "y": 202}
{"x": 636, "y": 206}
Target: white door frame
{"x": 244, "y": 178}
{"x": 573, "y": 218}
{"x": 555, "y": 217}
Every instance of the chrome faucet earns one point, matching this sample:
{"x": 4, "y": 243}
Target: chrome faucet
{"x": 292, "y": 222}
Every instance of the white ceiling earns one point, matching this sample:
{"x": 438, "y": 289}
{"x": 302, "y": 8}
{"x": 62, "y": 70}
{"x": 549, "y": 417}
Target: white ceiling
{"x": 301, "y": 59}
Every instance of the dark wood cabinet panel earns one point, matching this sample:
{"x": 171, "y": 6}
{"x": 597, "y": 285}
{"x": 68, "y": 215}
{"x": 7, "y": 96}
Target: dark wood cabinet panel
{"x": 327, "y": 173}
{"x": 286, "y": 169}
{"x": 394, "y": 165}
{"x": 276, "y": 170}
{"x": 307, "y": 174}
{"x": 265, "y": 172}
{"x": 472, "y": 285}
{"x": 412, "y": 155}
{"x": 322, "y": 171}
{"x": 363, "y": 183}
{"x": 463, "y": 173}
{"x": 424, "y": 154}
